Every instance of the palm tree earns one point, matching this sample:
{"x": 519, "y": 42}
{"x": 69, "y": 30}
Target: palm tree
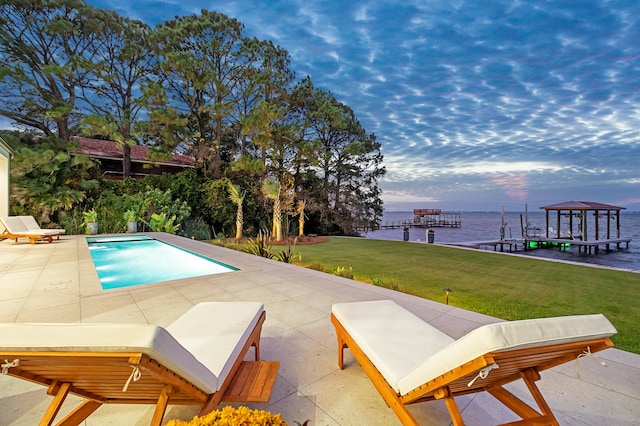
{"x": 271, "y": 189}
{"x": 237, "y": 197}
{"x": 300, "y": 211}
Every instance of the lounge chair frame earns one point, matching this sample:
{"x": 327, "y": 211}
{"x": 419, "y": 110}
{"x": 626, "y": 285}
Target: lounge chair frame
{"x": 522, "y": 364}
{"x": 33, "y": 235}
{"x": 99, "y": 378}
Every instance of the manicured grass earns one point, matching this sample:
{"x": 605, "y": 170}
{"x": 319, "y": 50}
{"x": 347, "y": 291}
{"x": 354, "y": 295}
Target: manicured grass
{"x": 507, "y": 287}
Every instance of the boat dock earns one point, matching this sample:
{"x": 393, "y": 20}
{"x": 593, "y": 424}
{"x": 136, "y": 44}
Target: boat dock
{"x": 586, "y": 246}
{"x": 510, "y": 244}
{"x": 427, "y": 218}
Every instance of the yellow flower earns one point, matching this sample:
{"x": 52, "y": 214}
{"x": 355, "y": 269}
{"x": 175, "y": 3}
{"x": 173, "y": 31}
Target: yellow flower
{"x": 230, "y": 416}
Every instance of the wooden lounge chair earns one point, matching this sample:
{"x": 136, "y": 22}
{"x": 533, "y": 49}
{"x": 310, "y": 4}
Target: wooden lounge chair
{"x": 197, "y": 360}
{"x": 410, "y": 361}
{"x": 32, "y": 225}
{"x": 14, "y": 228}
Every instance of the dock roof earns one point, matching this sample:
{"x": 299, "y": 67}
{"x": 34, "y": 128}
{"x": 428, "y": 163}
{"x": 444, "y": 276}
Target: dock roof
{"x": 582, "y": 205}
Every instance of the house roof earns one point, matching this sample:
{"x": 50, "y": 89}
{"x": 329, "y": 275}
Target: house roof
{"x": 140, "y": 154}
{"x": 581, "y": 205}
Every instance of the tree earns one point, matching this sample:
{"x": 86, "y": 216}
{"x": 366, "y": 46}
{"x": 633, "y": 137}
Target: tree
{"x": 271, "y": 189}
{"x": 200, "y": 64}
{"x": 263, "y": 93}
{"x": 300, "y": 212}
{"x": 237, "y": 197}
{"x": 347, "y": 164}
{"x": 112, "y": 97}
{"x": 47, "y": 49}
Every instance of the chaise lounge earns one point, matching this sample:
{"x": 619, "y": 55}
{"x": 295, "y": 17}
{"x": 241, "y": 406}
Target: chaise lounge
{"x": 410, "y": 361}
{"x": 32, "y": 225}
{"x": 15, "y": 228}
{"x": 197, "y": 360}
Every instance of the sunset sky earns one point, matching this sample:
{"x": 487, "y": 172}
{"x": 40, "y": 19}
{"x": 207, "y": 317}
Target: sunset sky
{"x": 476, "y": 103}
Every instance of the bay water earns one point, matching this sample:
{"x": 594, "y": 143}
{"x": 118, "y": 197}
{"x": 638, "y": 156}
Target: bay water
{"x": 485, "y": 226}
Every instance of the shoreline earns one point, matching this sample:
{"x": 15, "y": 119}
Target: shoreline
{"x": 550, "y": 259}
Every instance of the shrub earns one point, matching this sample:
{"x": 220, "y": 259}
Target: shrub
{"x": 316, "y": 266}
{"x": 343, "y": 272}
{"x": 260, "y": 246}
{"x": 230, "y": 416}
{"x": 196, "y": 229}
{"x": 390, "y": 285}
{"x": 162, "y": 223}
{"x": 288, "y": 255}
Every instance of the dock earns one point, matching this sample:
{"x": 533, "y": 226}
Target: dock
{"x": 510, "y": 244}
{"x": 427, "y": 218}
{"x": 588, "y": 246}
{"x": 531, "y": 243}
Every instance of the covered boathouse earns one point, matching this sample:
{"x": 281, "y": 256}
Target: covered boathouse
{"x": 581, "y": 223}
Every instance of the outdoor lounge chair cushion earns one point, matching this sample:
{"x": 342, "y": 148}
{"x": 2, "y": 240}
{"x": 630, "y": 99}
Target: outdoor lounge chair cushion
{"x": 194, "y": 353}
{"x": 15, "y": 226}
{"x": 233, "y": 323}
{"x": 32, "y": 225}
{"x": 408, "y": 352}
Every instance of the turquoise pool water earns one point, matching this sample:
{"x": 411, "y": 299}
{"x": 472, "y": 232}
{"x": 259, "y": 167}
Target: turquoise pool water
{"x": 124, "y": 261}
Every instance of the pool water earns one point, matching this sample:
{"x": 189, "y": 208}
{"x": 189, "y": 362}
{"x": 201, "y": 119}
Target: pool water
{"x": 124, "y": 261}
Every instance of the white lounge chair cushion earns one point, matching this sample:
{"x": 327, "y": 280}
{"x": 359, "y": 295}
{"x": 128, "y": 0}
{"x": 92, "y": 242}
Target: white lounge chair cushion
{"x": 394, "y": 339}
{"x": 32, "y": 225}
{"x": 215, "y": 332}
{"x": 151, "y": 340}
{"x": 15, "y": 226}
{"x": 439, "y": 357}
{"x": 200, "y": 346}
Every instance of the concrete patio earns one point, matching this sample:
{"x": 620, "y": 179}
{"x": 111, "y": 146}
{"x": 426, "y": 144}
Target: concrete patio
{"x": 58, "y": 283}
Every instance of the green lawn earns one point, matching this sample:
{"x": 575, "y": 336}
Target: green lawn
{"x": 506, "y": 287}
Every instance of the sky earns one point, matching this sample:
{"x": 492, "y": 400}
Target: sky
{"x": 477, "y": 104}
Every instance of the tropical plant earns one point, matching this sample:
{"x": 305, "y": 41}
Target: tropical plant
{"x": 157, "y": 201}
{"x": 90, "y": 216}
{"x": 237, "y": 197}
{"x": 341, "y": 271}
{"x": 300, "y": 212}
{"x": 288, "y": 255}
{"x": 260, "y": 246}
{"x": 159, "y": 222}
{"x": 90, "y": 221}
{"x": 130, "y": 215}
{"x": 47, "y": 182}
{"x": 271, "y": 189}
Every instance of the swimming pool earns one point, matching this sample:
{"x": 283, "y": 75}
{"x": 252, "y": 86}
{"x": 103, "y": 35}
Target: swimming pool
{"x": 124, "y": 261}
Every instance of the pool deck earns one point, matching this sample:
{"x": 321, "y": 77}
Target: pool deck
{"x": 57, "y": 282}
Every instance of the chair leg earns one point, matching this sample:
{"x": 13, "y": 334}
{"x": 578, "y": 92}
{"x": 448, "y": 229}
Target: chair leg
{"x": 387, "y": 392}
{"x": 80, "y": 413}
{"x": 256, "y": 347}
{"x": 161, "y": 406}
{"x": 211, "y": 404}
{"x": 452, "y": 407}
{"x": 59, "y": 392}
{"x": 342, "y": 345}
{"x": 522, "y": 409}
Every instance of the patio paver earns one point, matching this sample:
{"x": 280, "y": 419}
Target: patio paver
{"x": 57, "y": 283}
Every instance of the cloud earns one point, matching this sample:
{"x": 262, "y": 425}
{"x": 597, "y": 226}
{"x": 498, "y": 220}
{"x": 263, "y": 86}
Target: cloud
{"x": 523, "y": 99}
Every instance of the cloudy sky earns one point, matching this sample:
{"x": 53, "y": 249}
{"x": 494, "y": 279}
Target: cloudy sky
{"x": 477, "y": 103}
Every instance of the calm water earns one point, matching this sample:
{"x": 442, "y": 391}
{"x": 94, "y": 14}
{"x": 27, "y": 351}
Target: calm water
{"x": 128, "y": 261}
{"x": 485, "y": 226}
